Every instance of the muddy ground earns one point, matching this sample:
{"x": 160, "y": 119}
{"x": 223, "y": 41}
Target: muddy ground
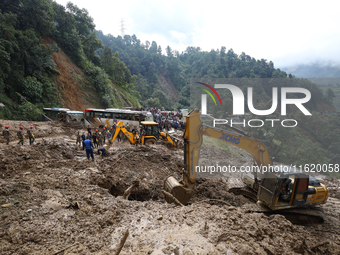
{"x": 54, "y": 201}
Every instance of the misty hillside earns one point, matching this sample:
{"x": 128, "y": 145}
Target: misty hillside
{"x": 326, "y": 76}
{"x": 314, "y": 70}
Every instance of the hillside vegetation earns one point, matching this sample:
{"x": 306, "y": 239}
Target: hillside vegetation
{"x": 53, "y": 56}
{"x": 47, "y": 54}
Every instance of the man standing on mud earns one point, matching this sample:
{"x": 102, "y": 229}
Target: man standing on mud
{"x": 20, "y": 136}
{"x": 89, "y": 148}
{"x": 6, "y": 134}
{"x": 30, "y": 135}
{"x": 94, "y": 139}
{"x": 100, "y": 139}
{"x": 113, "y": 129}
{"x": 78, "y": 138}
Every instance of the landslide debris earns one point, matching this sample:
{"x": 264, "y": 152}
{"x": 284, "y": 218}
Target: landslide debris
{"x": 53, "y": 199}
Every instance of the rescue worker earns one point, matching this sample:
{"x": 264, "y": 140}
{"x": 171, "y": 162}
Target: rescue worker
{"x": 30, "y": 135}
{"x": 137, "y": 138}
{"x": 109, "y": 135}
{"x": 20, "y": 135}
{"x": 104, "y": 132}
{"x": 89, "y": 130}
{"x": 94, "y": 139}
{"x": 128, "y": 127}
{"x": 6, "y": 134}
{"x": 113, "y": 129}
{"x": 89, "y": 149}
{"x": 101, "y": 152}
{"x": 83, "y": 138}
{"x": 78, "y": 138}
{"x": 166, "y": 124}
{"x": 100, "y": 139}
{"x": 119, "y": 136}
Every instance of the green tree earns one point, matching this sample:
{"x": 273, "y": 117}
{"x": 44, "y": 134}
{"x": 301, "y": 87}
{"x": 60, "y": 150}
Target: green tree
{"x": 153, "y": 48}
{"x": 330, "y": 95}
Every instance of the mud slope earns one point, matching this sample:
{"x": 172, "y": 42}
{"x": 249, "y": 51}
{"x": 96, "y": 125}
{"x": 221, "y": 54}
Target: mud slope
{"x": 52, "y": 199}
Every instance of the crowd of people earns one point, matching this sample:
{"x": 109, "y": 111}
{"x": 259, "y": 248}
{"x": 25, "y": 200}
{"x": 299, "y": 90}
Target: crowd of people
{"x": 168, "y": 119}
{"x": 96, "y": 138}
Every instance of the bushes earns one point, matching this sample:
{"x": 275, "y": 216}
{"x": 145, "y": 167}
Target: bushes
{"x": 32, "y": 89}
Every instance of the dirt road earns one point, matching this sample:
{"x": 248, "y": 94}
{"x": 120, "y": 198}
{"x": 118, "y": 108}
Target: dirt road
{"x": 54, "y": 201}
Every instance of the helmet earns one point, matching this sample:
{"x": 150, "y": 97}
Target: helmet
{"x": 96, "y": 129}
{"x": 100, "y": 133}
{"x": 105, "y": 125}
{"x": 127, "y": 125}
{"x": 6, "y": 126}
{"x": 21, "y": 127}
{"x": 31, "y": 127}
{"x": 111, "y": 127}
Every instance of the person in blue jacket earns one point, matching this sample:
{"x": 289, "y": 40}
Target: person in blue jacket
{"x": 88, "y": 145}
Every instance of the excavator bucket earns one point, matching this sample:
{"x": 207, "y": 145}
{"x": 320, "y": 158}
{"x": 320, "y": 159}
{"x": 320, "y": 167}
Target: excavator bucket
{"x": 181, "y": 193}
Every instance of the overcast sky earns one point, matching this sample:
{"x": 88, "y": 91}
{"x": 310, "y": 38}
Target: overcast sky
{"x": 286, "y": 32}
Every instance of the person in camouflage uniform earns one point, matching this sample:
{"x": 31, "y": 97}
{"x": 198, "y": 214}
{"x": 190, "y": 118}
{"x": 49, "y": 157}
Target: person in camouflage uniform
{"x": 104, "y": 132}
{"x": 6, "y": 134}
{"x": 20, "y": 136}
{"x": 100, "y": 139}
{"x": 78, "y": 138}
{"x": 30, "y": 135}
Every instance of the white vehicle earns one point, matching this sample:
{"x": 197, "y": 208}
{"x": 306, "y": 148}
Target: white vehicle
{"x": 74, "y": 116}
{"x": 110, "y": 116}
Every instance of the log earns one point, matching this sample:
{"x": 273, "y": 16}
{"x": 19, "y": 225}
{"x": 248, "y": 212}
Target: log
{"x": 64, "y": 249}
{"x": 128, "y": 191}
{"x": 22, "y": 97}
{"x": 122, "y": 242}
{"x": 320, "y": 244}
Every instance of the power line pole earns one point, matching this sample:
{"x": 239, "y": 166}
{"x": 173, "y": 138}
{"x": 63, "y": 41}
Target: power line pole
{"x": 122, "y": 28}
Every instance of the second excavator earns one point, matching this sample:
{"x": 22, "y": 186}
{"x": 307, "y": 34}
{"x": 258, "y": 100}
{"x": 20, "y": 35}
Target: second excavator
{"x": 148, "y": 134}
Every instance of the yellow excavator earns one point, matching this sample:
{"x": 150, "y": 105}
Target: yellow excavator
{"x": 149, "y": 134}
{"x": 273, "y": 187}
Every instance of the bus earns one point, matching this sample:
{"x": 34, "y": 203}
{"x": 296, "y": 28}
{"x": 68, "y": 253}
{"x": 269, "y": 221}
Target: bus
{"x": 102, "y": 117}
{"x": 53, "y": 113}
{"x": 63, "y": 114}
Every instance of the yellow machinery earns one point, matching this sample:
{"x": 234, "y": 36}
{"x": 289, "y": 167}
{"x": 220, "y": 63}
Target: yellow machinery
{"x": 277, "y": 187}
{"x": 149, "y": 135}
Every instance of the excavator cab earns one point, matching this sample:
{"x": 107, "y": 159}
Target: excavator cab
{"x": 153, "y": 135}
{"x": 292, "y": 188}
{"x": 150, "y": 132}
{"x": 151, "y": 128}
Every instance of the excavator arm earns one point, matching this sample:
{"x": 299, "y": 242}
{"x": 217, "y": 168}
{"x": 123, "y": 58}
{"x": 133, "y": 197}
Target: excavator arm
{"x": 193, "y": 138}
{"x": 119, "y": 128}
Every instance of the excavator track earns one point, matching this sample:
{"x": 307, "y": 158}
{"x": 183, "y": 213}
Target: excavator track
{"x": 237, "y": 187}
{"x": 300, "y": 216}
{"x": 245, "y": 191}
